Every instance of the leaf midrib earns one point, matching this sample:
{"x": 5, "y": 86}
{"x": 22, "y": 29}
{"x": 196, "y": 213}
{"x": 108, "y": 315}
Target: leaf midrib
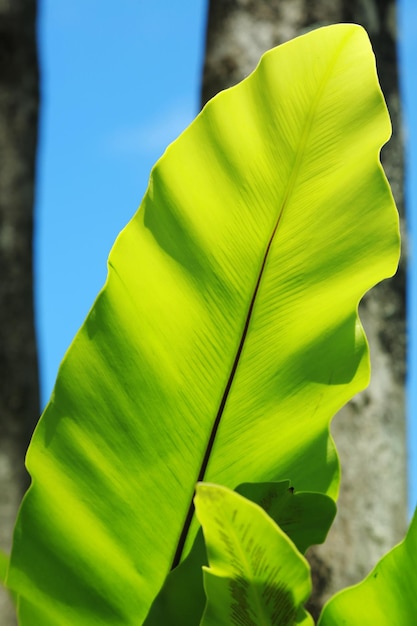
{"x": 290, "y": 186}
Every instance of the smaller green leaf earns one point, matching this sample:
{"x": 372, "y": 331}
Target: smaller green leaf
{"x": 304, "y": 517}
{"x": 387, "y": 596}
{"x": 256, "y": 575}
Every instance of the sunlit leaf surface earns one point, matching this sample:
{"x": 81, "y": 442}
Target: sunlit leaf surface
{"x": 256, "y": 575}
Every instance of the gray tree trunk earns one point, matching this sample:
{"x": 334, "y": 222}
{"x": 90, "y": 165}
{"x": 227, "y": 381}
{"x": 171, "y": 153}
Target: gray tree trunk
{"x": 370, "y": 431}
{"x": 19, "y": 396}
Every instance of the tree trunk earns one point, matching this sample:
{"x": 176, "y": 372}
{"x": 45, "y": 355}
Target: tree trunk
{"x": 370, "y": 431}
{"x": 19, "y": 396}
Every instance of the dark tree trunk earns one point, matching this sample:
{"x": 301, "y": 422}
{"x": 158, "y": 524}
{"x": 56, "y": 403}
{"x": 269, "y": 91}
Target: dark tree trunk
{"x": 19, "y": 396}
{"x": 370, "y": 431}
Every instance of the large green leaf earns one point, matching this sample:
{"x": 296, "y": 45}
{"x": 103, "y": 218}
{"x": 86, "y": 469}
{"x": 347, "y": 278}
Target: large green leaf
{"x": 256, "y": 575}
{"x": 225, "y": 338}
{"x": 387, "y": 597}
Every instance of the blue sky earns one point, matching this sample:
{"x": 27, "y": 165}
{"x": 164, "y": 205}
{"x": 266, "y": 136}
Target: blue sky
{"x": 118, "y": 85}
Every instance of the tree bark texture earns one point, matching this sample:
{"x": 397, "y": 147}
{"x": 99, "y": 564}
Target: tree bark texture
{"x": 19, "y": 395}
{"x": 370, "y": 431}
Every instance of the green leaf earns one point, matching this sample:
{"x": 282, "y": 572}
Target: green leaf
{"x": 182, "y": 598}
{"x": 256, "y": 576}
{"x": 4, "y": 564}
{"x": 226, "y": 335}
{"x": 387, "y": 596}
{"x": 304, "y": 517}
